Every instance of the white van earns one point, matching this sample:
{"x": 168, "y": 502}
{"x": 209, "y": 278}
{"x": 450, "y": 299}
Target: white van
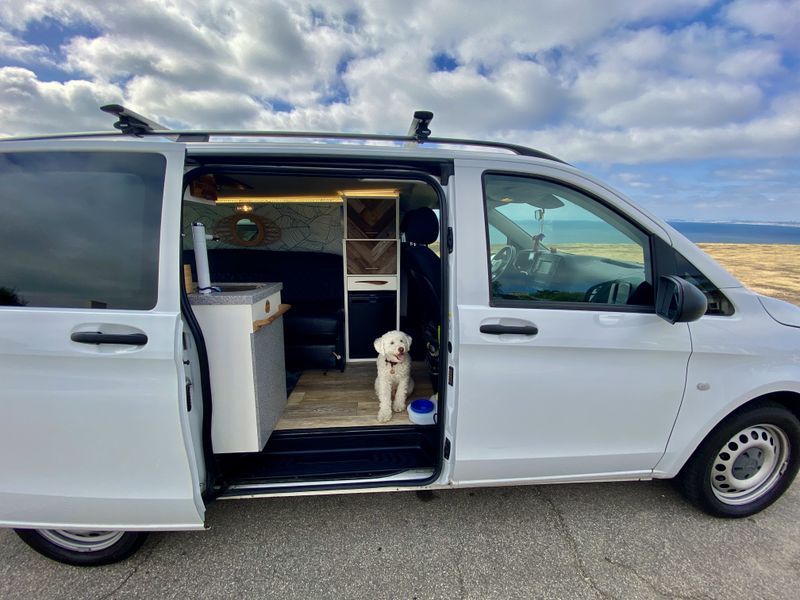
{"x": 185, "y": 320}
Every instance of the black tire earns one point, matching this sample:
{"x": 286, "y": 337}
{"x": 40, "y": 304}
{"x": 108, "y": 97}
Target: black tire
{"x": 713, "y": 465}
{"x": 46, "y": 542}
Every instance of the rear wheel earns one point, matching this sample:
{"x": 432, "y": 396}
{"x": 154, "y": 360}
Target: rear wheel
{"x": 746, "y": 463}
{"x": 83, "y": 548}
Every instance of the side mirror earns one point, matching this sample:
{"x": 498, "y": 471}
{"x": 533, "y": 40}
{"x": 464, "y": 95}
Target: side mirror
{"x": 678, "y": 301}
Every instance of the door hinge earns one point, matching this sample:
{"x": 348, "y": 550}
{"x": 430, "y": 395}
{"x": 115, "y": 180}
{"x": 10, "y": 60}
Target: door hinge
{"x": 449, "y": 240}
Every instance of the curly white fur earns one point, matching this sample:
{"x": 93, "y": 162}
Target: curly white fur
{"x": 393, "y": 383}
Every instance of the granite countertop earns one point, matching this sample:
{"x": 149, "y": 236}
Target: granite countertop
{"x": 255, "y": 292}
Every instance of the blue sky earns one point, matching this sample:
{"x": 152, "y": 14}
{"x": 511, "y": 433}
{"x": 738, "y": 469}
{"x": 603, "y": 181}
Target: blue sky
{"x": 691, "y": 107}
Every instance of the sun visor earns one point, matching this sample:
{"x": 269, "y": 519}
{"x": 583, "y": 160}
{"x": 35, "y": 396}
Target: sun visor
{"x": 508, "y": 190}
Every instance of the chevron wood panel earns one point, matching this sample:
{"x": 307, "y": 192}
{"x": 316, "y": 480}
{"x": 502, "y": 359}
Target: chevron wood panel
{"x": 371, "y": 218}
{"x": 369, "y": 258}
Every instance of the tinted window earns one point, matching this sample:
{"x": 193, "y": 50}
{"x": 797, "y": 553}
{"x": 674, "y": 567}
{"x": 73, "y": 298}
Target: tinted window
{"x": 549, "y": 242}
{"x": 80, "y": 229}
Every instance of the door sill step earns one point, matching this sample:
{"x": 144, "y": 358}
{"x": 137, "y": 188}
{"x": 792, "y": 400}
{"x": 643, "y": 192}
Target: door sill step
{"x": 250, "y": 490}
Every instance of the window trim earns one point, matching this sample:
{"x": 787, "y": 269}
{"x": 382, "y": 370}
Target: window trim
{"x": 556, "y": 305}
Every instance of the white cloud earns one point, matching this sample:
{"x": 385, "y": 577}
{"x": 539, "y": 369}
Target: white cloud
{"x": 29, "y": 105}
{"x": 775, "y": 134}
{"x": 13, "y": 48}
{"x": 677, "y": 102}
{"x": 776, "y": 18}
{"x": 586, "y": 81}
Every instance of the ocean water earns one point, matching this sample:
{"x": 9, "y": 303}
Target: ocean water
{"x": 739, "y": 233}
{"x": 575, "y": 232}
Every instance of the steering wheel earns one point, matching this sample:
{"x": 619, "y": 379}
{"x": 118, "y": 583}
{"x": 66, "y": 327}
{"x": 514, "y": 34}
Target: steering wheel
{"x": 501, "y": 260}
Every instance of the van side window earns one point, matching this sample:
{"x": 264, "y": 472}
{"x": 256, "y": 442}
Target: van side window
{"x": 80, "y": 229}
{"x": 718, "y": 304}
{"x": 551, "y": 243}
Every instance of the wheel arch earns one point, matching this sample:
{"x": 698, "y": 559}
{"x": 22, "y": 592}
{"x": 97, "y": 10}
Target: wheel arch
{"x": 673, "y": 462}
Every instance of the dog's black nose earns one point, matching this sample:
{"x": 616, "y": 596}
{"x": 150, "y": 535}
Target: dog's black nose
{"x": 401, "y": 349}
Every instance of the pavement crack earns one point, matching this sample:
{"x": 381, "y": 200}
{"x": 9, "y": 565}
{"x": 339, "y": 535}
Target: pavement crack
{"x": 125, "y": 579}
{"x": 131, "y": 573}
{"x": 459, "y": 559}
{"x": 573, "y": 543}
{"x": 653, "y": 586}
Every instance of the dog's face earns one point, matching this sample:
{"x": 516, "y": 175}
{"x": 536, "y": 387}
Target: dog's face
{"x": 394, "y": 345}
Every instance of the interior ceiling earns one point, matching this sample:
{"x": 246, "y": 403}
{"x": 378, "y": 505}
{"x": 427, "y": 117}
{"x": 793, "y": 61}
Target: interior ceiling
{"x": 413, "y": 194}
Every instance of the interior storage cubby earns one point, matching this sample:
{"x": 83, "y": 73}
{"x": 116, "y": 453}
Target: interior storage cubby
{"x": 371, "y": 218}
{"x": 371, "y": 314}
{"x": 371, "y": 257}
{"x": 371, "y": 261}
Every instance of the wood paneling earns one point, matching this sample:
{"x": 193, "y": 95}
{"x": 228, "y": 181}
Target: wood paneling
{"x": 334, "y": 399}
{"x": 371, "y": 218}
{"x": 371, "y": 258}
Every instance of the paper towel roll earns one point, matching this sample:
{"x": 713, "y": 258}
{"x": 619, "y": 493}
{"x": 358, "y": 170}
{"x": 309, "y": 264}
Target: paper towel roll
{"x": 201, "y": 258}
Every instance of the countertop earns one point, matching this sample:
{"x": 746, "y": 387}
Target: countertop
{"x": 261, "y": 292}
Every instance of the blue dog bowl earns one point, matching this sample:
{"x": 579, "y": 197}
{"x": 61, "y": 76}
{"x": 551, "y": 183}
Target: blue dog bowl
{"x": 422, "y": 412}
{"x": 421, "y": 406}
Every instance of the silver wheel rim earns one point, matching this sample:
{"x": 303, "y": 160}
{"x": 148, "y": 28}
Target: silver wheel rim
{"x": 81, "y": 541}
{"x": 749, "y": 464}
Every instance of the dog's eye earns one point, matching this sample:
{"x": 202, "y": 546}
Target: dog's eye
{"x": 391, "y": 343}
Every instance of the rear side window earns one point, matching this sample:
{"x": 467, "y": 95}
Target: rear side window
{"x": 80, "y": 229}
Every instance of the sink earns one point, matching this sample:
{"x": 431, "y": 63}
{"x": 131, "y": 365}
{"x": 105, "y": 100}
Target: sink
{"x": 237, "y": 287}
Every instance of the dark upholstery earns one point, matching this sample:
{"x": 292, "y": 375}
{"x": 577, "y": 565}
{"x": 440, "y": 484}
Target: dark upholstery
{"x": 421, "y": 226}
{"x": 422, "y": 267}
{"x": 422, "y": 271}
{"x": 312, "y": 284}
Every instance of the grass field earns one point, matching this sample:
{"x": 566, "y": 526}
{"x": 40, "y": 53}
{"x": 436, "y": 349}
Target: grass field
{"x": 769, "y": 269}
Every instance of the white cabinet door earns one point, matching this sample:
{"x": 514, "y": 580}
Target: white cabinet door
{"x": 94, "y": 429}
{"x": 564, "y": 371}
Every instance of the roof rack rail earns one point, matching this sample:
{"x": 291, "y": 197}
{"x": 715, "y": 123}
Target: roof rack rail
{"x": 131, "y": 123}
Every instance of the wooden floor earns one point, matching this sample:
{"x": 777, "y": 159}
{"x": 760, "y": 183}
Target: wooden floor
{"x": 336, "y": 399}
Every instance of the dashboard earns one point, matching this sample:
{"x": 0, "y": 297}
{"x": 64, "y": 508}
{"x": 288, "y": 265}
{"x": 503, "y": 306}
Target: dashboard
{"x": 560, "y": 276}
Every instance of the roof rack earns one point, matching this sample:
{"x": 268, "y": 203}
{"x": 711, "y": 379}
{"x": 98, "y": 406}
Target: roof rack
{"x": 132, "y": 123}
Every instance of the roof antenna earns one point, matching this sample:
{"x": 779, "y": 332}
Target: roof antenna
{"x": 419, "y": 129}
{"x": 131, "y": 122}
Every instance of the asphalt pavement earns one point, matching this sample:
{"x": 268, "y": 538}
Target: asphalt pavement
{"x": 622, "y": 540}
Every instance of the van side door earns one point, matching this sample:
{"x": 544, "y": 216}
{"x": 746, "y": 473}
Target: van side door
{"x": 565, "y": 372}
{"x": 94, "y": 428}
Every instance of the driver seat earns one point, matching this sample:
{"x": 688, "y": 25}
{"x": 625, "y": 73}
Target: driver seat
{"x": 422, "y": 271}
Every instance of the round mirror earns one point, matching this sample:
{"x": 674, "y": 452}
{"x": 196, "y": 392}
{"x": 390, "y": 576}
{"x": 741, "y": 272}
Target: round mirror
{"x": 247, "y": 230}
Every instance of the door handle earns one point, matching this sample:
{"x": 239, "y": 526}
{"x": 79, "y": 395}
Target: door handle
{"x": 96, "y": 337}
{"x": 517, "y": 329}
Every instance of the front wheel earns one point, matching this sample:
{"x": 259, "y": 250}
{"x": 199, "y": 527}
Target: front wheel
{"x": 83, "y": 548}
{"x": 745, "y": 464}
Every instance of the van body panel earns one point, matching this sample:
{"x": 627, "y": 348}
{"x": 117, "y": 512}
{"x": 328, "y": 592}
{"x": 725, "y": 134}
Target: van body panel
{"x": 97, "y": 435}
{"x": 577, "y": 399}
{"x": 724, "y": 375}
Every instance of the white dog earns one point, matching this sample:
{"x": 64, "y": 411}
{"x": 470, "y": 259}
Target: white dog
{"x": 394, "y": 373}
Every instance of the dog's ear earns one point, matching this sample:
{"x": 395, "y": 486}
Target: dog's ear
{"x": 378, "y": 343}
{"x": 408, "y": 342}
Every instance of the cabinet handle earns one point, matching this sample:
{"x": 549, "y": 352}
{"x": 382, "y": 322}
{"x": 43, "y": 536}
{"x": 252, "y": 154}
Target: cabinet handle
{"x": 264, "y": 322}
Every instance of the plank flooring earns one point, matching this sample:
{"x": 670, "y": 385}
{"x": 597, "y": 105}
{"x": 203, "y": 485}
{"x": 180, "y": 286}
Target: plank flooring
{"x": 335, "y": 399}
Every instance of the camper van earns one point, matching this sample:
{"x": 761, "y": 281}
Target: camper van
{"x": 195, "y": 316}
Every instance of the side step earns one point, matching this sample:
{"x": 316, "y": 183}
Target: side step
{"x": 322, "y": 455}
